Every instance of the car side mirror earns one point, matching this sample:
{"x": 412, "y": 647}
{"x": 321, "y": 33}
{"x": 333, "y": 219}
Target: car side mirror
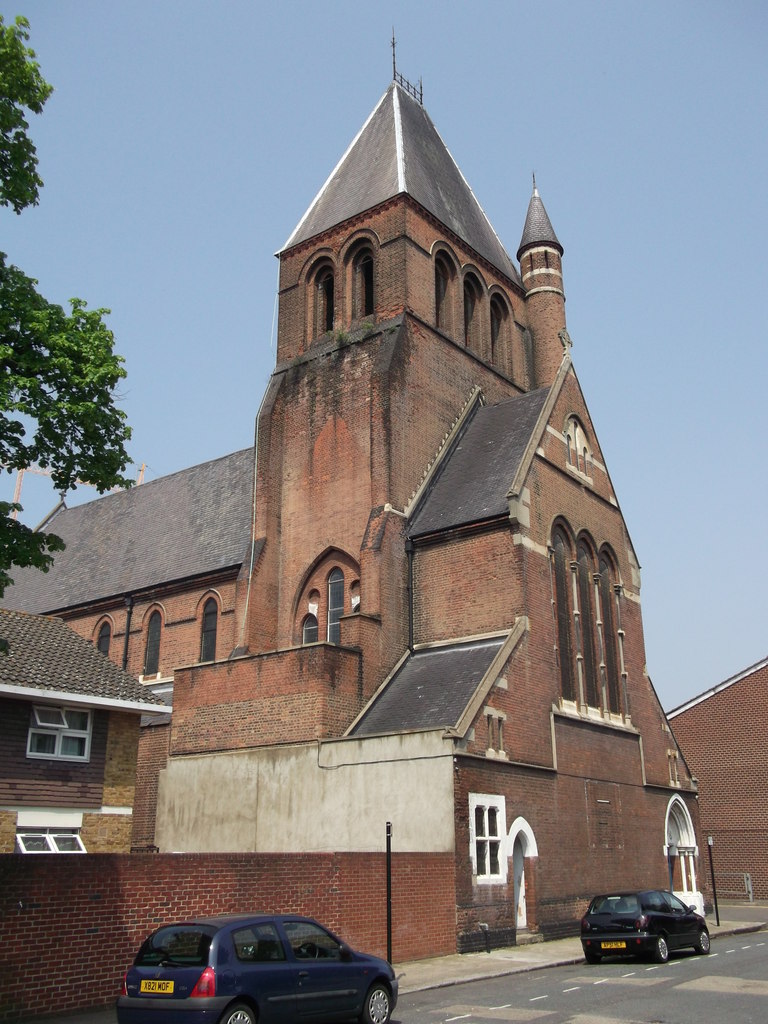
{"x": 345, "y": 953}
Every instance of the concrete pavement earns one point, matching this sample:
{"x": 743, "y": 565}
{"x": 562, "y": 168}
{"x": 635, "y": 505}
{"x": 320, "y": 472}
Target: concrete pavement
{"x": 438, "y": 972}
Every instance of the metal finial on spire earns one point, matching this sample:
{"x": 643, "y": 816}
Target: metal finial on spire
{"x": 418, "y": 94}
{"x": 535, "y": 190}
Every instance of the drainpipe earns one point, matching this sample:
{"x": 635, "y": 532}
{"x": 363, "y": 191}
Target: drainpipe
{"x": 128, "y": 614}
{"x": 409, "y": 553}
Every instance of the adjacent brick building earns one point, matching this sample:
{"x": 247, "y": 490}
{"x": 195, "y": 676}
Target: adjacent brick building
{"x": 721, "y": 736}
{"x": 428, "y": 601}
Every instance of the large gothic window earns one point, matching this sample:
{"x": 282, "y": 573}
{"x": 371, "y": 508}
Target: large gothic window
{"x": 152, "y": 650}
{"x": 335, "y": 605}
{"x": 363, "y": 284}
{"x": 325, "y": 300}
{"x": 472, "y": 324}
{"x": 586, "y": 573}
{"x": 443, "y": 274}
{"x": 208, "y": 632}
{"x": 562, "y": 560}
{"x": 607, "y": 599}
{"x": 105, "y": 638}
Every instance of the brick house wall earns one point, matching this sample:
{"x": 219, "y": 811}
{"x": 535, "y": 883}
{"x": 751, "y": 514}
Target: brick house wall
{"x": 70, "y": 926}
{"x": 106, "y": 780}
{"x": 722, "y": 738}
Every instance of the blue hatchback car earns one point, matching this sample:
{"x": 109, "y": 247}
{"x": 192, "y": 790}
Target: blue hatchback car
{"x": 239, "y": 969}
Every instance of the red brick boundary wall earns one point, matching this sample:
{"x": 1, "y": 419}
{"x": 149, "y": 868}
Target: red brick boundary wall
{"x": 70, "y": 925}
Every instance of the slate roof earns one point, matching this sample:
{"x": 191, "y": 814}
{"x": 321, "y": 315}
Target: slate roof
{"x": 538, "y": 227}
{"x": 472, "y": 483}
{"x": 431, "y": 690}
{"x": 46, "y": 656}
{"x": 399, "y": 150}
{"x": 186, "y": 524}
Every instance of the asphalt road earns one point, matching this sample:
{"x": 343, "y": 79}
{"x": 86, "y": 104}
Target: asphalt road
{"x": 730, "y": 986}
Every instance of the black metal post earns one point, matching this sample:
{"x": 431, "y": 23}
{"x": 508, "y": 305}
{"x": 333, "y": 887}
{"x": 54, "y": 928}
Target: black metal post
{"x": 710, "y": 844}
{"x": 389, "y": 891}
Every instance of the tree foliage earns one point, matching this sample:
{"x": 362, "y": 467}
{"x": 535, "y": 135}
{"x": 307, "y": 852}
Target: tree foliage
{"x": 22, "y": 88}
{"x": 58, "y": 370}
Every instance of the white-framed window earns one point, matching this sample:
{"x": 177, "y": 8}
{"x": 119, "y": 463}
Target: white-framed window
{"x": 49, "y": 840}
{"x": 59, "y": 732}
{"x": 488, "y": 838}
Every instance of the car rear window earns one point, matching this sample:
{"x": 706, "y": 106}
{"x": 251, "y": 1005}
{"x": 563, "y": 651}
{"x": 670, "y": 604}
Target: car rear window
{"x": 185, "y": 945}
{"x": 615, "y": 905}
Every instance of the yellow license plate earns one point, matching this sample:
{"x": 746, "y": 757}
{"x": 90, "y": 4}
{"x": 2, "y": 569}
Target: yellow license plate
{"x": 613, "y": 945}
{"x": 163, "y": 987}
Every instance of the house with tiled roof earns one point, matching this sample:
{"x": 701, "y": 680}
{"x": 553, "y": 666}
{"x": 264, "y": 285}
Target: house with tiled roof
{"x": 69, "y": 737}
{"x": 428, "y": 623}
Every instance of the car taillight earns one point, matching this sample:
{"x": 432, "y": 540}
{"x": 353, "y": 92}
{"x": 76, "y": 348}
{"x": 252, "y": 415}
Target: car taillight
{"x": 641, "y": 923}
{"x": 206, "y": 985}
{"x": 585, "y": 924}
{"x": 124, "y": 986}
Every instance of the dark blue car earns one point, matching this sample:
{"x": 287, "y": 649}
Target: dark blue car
{"x": 239, "y": 969}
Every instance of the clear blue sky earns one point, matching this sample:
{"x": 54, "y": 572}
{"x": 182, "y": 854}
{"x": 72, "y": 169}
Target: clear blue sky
{"x": 185, "y": 139}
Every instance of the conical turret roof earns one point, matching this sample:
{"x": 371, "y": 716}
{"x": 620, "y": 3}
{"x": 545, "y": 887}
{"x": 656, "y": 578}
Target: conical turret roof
{"x": 399, "y": 150}
{"x": 538, "y": 227}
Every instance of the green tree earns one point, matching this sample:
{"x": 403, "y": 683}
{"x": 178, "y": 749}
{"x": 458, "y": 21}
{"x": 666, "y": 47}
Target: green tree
{"x": 58, "y": 370}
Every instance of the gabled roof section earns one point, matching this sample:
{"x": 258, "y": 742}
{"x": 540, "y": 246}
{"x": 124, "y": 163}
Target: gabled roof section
{"x": 431, "y": 689}
{"x": 189, "y": 523}
{"x": 399, "y": 150}
{"x": 726, "y": 684}
{"x": 46, "y": 660}
{"x": 473, "y": 481}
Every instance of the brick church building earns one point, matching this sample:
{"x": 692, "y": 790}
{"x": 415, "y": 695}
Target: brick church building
{"x": 415, "y": 601}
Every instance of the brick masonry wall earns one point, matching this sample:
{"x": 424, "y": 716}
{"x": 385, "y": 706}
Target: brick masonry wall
{"x": 723, "y": 741}
{"x": 154, "y": 741}
{"x": 70, "y": 926}
{"x": 592, "y": 835}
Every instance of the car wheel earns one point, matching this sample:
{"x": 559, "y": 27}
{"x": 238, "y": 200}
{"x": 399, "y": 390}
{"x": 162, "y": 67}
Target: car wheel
{"x": 701, "y": 945}
{"x": 377, "y": 1006}
{"x": 238, "y": 1013}
{"x": 661, "y": 950}
{"x": 592, "y": 958}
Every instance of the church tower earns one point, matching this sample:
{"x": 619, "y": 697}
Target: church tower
{"x": 398, "y": 307}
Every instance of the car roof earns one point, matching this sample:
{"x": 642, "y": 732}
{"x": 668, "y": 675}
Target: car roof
{"x": 223, "y": 920}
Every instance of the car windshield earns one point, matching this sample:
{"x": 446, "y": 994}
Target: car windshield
{"x": 625, "y": 904}
{"x": 185, "y": 945}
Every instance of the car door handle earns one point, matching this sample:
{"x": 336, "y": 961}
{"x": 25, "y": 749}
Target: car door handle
{"x": 303, "y": 975}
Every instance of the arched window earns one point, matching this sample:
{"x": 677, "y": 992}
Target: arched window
{"x": 105, "y": 638}
{"x": 152, "y": 650}
{"x": 579, "y": 455}
{"x": 208, "y": 632}
{"x": 607, "y": 598}
{"x": 498, "y": 317}
{"x": 443, "y": 276}
{"x": 335, "y": 605}
{"x": 309, "y": 629}
{"x": 562, "y": 559}
{"x": 586, "y": 573}
{"x": 472, "y": 296}
{"x": 363, "y": 284}
{"x": 325, "y": 300}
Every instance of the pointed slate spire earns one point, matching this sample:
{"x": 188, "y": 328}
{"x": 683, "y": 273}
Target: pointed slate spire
{"x": 538, "y": 227}
{"x": 399, "y": 150}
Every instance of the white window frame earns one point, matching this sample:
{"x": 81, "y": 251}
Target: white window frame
{"x": 486, "y": 802}
{"x": 52, "y": 721}
{"x": 52, "y": 837}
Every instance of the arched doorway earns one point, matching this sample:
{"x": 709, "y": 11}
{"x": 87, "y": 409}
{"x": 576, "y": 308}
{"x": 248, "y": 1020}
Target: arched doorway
{"x": 681, "y": 851}
{"x": 522, "y": 842}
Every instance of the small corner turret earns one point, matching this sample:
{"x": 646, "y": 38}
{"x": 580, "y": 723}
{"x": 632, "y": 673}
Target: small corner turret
{"x": 540, "y": 257}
